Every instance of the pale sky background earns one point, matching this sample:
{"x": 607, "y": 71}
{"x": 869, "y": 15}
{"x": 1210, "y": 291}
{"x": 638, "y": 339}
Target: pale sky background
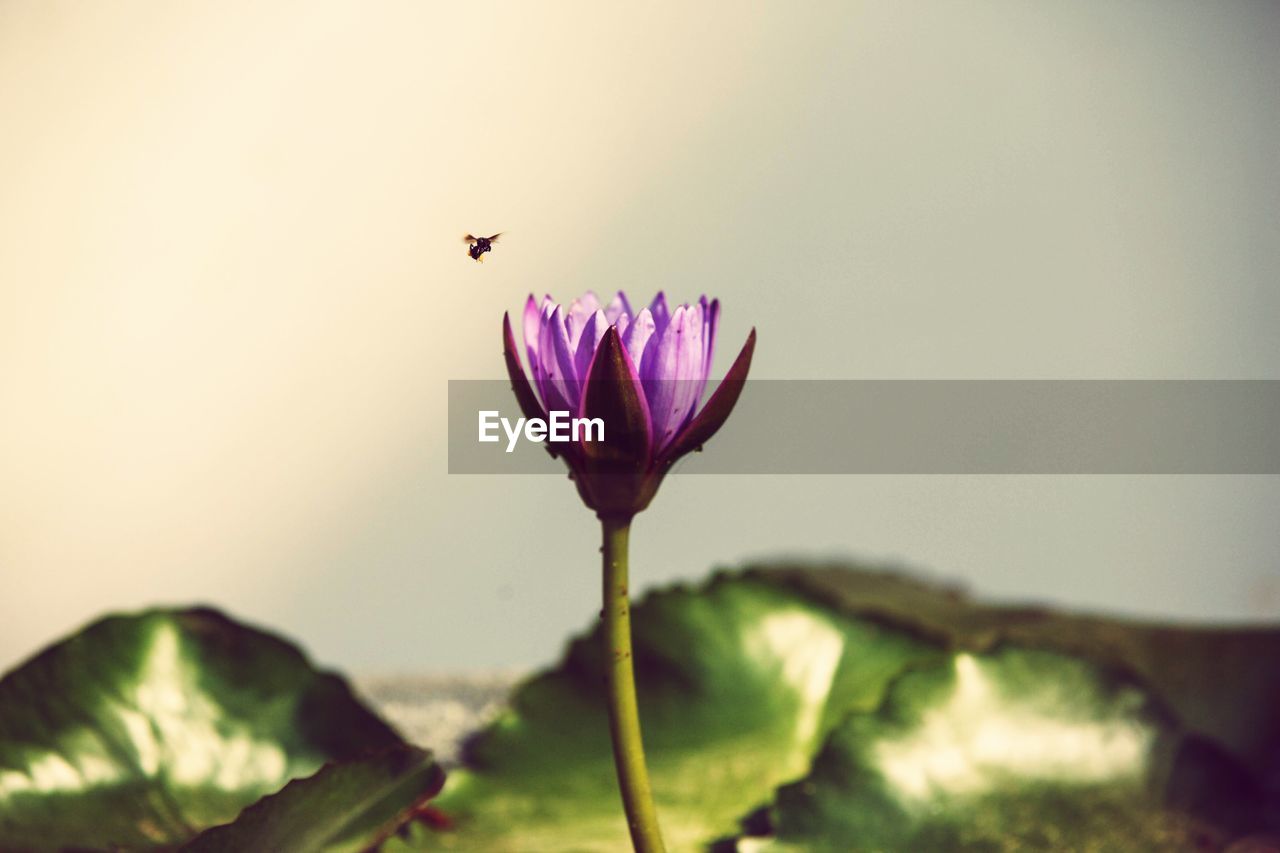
{"x": 232, "y": 290}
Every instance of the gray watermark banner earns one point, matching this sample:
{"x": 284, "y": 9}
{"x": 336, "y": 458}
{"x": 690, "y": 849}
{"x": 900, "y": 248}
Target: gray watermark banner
{"x": 935, "y": 427}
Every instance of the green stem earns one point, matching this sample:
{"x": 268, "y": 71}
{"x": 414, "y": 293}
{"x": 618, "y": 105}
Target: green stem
{"x": 624, "y": 715}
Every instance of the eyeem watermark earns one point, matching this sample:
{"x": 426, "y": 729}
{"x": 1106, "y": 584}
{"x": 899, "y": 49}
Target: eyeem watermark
{"x": 933, "y": 427}
{"x": 559, "y": 428}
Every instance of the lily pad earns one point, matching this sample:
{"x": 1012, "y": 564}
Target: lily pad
{"x": 1017, "y": 750}
{"x": 142, "y": 730}
{"x": 343, "y": 808}
{"x": 745, "y": 681}
{"x": 784, "y": 708}
{"x": 739, "y": 682}
{"x": 1221, "y": 681}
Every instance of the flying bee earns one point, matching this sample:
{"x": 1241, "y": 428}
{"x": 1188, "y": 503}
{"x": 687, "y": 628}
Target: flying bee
{"x": 480, "y": 245}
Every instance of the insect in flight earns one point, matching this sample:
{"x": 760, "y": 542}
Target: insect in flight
{"x": 480, "y": 245}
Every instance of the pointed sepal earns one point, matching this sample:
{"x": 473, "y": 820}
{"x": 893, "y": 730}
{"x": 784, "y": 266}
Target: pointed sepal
{"x": 525, "y": 395}
{"x": 612, "y": 393}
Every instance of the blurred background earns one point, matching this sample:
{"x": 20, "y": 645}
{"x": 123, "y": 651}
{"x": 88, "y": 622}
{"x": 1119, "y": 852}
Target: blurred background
{"x": 233, "y": 288}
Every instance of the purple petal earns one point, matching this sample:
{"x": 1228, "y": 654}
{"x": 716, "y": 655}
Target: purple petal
{"x": 711, "y": 320}
{"x": 718, "y": 408}
{"x": 617, "y": 308}
{"x": 691, "y": 376}
{"x": 661, "y": 316}
{"x": 558, "y": 380}
{"x": 579, "y": 311}
{"x": 532, "y": 325}
{"x": 636, "y": 335}
{"x": 671, "y": 371}
{"x": 592, "y": 332}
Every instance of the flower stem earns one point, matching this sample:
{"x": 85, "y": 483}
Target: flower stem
{"x": 624, "y": 715}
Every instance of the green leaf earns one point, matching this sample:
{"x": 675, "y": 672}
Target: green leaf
{"x": 821, "y": 708}
{"x": 140, "y": 731}
{"x": 739, "y": 682}
{"x": 1018, "y": 750}
{"x": 344, "y": 807}
{"x": 1221, "y": 681}
{"x": 744, "y": 681}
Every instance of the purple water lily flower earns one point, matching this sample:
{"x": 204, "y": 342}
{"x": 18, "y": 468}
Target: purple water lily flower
{"x": 642, "y": 372}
